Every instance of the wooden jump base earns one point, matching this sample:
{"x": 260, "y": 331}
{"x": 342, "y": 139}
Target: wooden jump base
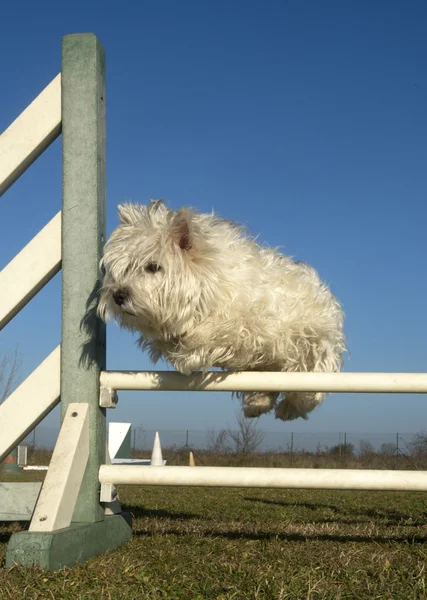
{"x": 77, "y": 515}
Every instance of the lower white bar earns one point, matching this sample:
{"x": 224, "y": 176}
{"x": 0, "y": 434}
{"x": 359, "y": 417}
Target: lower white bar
{"x": 321, "y": 479}
{"x": 414, "y": 383}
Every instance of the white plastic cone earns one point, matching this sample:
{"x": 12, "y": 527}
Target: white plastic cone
{"x": 156, "y": 455}
{"x": 191, "y": 462}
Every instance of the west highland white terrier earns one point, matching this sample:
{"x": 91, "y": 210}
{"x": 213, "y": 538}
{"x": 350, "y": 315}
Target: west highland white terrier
{"x": 203, "y": 293}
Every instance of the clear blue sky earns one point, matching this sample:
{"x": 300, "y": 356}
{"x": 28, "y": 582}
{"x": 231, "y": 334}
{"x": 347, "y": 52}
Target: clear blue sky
{"x": 304, "y": 120}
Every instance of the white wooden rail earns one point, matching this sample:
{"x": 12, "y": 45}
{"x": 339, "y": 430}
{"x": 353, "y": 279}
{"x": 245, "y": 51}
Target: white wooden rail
{"x": 55, "y": 507}
{"x": 326, "y": 479}
{"x": 30, "y": 134}
{"x": 413, "y": 383}
{"x": 30, "y": 270}
{"x": 30, "y": 403}
{"x": 26, "y": 138}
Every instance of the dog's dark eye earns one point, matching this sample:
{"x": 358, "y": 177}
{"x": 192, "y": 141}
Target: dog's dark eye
{"x": 153, "y": 268}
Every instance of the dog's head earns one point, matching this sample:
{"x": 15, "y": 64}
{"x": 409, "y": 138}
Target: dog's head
{"x": 160, "y": 269}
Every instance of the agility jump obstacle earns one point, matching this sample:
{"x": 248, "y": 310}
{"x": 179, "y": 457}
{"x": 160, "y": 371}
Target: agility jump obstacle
{"x": 77, "y": 515}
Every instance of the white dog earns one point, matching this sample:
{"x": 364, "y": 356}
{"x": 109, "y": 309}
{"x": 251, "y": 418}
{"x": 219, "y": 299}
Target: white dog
{"x": 204, "y": 294}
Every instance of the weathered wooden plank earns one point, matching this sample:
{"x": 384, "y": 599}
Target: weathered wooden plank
{"x": 30, "y": 134}
{"x": 61, "y": 486}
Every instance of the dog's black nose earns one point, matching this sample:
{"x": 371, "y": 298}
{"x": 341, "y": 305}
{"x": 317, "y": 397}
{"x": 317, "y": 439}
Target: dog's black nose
{"x": 120, "y": 297}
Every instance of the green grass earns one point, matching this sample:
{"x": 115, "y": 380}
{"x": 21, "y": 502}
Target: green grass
{"x": 192, "y": 543}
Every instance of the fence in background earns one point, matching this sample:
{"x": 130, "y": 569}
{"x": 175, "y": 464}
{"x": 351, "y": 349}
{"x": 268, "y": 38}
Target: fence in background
{"x": 386, "y": 450}
{"x": 287, "y": 441}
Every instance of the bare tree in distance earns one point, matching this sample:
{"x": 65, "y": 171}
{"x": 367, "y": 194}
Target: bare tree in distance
{"x": 247, "y": 437}
{"x": 418, "y": 445}
{"x": 244, "y": 439}
{"x": 366, "y": 449}
{"x": 388, "y": 448}
{"x": 10, "y": 363}
{"x": 217, "y": 441}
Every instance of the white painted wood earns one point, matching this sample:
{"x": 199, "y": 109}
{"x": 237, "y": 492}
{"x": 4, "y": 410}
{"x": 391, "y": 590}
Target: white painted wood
{"x": 35, "y": 468}
{"x": 108, "y": 398}
{"x": 61, "y": 487}
{"x": 30, "y": 134}
{"x": 132, "y": 461}
{"x": 396, "y": 383}
{"x": 22, "y": 455}
{"x": 119, "y": 440}
{"x": 327, "y": 479}
{"x": 30, "y": 270}
{"x": 30, "y": 403}
{"x": 108, "y": 492}
{"x": 112, "y": 508}
{"x": 109, "y": 495}
{"x": 18, "y": 499}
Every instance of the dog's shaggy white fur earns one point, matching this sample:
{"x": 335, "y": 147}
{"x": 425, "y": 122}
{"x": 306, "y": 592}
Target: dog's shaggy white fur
{"x": 204, "y": 294}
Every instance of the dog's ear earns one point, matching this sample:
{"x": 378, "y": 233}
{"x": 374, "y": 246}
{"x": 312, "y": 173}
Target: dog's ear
{"x": 182, "y": 230}
{"x": 129, "y": 214}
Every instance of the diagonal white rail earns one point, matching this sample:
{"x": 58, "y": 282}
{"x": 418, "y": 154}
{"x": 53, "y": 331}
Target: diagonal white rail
{"x": 30, "y": 270}
{"x": 396, "y": 383}
{"x": 250, "y": 477}
{"x": 30, "y": 403}
{"x": 58, "y": 497}
{"x": 30, "y": 134}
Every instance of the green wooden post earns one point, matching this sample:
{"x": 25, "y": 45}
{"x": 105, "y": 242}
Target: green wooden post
{"x": 83, "y": 334}
{"x": 83, "y": 234}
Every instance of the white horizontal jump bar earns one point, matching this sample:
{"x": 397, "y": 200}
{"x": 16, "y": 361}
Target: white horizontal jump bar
{"x": 413, "y": 383}
{"x": 326, "y": 479}
{"x": 30, "y": 134}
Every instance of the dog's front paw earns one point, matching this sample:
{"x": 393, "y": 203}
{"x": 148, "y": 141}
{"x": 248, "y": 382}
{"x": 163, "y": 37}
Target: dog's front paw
{"x": 257, "y": 403}
{"x": 251, "y": 411}
{"x": 296, "y": 405}
{"x": 187, "y": 366}
{"x": 286, "y": 412}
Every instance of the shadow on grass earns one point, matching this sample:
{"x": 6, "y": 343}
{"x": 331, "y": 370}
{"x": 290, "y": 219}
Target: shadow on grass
{"x": 288, "y": 537}
{"x": 389, "y": 518}
{"x": 310, "y": 505}
{"x": 159, "y": 513}
{"x": 393, "y": 517}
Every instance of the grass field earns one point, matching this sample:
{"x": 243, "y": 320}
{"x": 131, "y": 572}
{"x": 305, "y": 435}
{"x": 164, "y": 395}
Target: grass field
{"x": 197, "y": 543}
